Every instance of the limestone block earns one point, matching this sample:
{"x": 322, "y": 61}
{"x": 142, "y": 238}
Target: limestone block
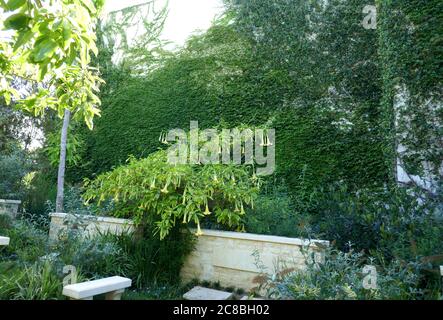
{"x": 4, "y": 241}
{"x": 200, "y": 293}
{"x": 93, "y": 225}
{"x": 9, "y": 207}
{"x": 238, "y": 259}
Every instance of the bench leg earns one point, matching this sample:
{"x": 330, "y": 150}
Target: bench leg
{"x": 114, "y": 295}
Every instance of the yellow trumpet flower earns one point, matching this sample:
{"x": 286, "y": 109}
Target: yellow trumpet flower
{"x": 199, "y": 231}
{"x": 207, "y": 212}
{"x": 165, "y": 189}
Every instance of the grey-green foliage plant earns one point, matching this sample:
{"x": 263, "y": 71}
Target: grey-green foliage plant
{"x": 27, "y": 242}
{"x": 76, "y": 206}
{"x": 340, "y": 277}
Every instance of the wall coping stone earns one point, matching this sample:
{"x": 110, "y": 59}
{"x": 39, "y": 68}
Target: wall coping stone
{"x": 263, "y": 238}
{"x": 95, "y": 218}
{"x": 10, "y": 201}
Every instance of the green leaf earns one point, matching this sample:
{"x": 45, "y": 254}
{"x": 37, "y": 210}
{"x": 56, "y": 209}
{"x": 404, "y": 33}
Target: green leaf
{"x": 17, "y": 21}
{"x": 67, "y": 31}
{"x": 23, "y": 37}
{"x": 7, "y": 96}
{"x": 43, "y": 70}
{"x": 15, "y": 4}
{"x": 44, "y": 50}
{"x": 93, "y": 48}
{"x": 43, "y": 27}
{"x": 72, "y": 54}
{"x": 90, "y": 5}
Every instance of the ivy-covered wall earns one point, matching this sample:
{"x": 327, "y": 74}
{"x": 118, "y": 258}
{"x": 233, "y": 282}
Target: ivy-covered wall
{"x": 411, "y": 51}
{"x": 307, "y": 68}
{"x": 211, "y": 81}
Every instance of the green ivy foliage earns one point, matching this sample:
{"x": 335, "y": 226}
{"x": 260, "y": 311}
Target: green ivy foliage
{"x": 211, "y": 80}
{"x": 411, "y": 55}
{"x": 328, "y": 119}
{"x": 225, "y": 76}
{"x": 310, "y": 70}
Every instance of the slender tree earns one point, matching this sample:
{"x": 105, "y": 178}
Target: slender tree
{"x": 62, "y": 163}
{"x": 49, "y": 43}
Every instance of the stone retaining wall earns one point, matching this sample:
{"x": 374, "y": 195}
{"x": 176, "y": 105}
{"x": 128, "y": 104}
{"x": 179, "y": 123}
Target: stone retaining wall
{"x": 233, "y": 259}
{"x": 9, "y": 207}
{"x": 236, "y": 259}
{"x": 93, "y": 225}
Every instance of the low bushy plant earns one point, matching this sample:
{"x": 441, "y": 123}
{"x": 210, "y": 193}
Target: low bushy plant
{"x": 396, "y": 223}
{"x": 341, "y": 277}
{"x": 27, "y": 242}
{"x": 274, "y": 214}
{"x": 151, "y": 261}
{"x": 39, "y": 281}
{"x": 13, "y": 168}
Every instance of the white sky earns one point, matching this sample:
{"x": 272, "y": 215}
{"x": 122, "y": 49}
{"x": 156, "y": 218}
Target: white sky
{"x": 184, "y": 17}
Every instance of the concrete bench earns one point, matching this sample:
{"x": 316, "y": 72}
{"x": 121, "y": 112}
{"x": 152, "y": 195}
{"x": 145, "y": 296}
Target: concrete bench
{"x": 4, "y": 241}
{"x": 113, "y": 287}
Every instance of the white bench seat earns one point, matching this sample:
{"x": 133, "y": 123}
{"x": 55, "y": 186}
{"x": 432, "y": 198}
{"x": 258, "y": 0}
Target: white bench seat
{"x": 113, "y": 287}
{"x": 4, "y": 241}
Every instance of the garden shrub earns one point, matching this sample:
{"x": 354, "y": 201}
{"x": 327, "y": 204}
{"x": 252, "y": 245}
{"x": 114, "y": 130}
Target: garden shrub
{"x": 162, "y": 194}
{"x": 27, "y": 242}
{"x": 274, "y": 214}
{"x": 396, "y": 223}
{"x": 151, "y": 261}
{"x": 75, "y": 205}
{"x": 13, "y": 168}
{"x": 340, "y": 277}
{"x": 94, "y": 258}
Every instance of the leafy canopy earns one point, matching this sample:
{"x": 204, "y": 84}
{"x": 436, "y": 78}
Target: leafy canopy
{"x": 49, "y": 42}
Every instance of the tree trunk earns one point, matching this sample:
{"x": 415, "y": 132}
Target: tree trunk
{"x": 62, "y": 163}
